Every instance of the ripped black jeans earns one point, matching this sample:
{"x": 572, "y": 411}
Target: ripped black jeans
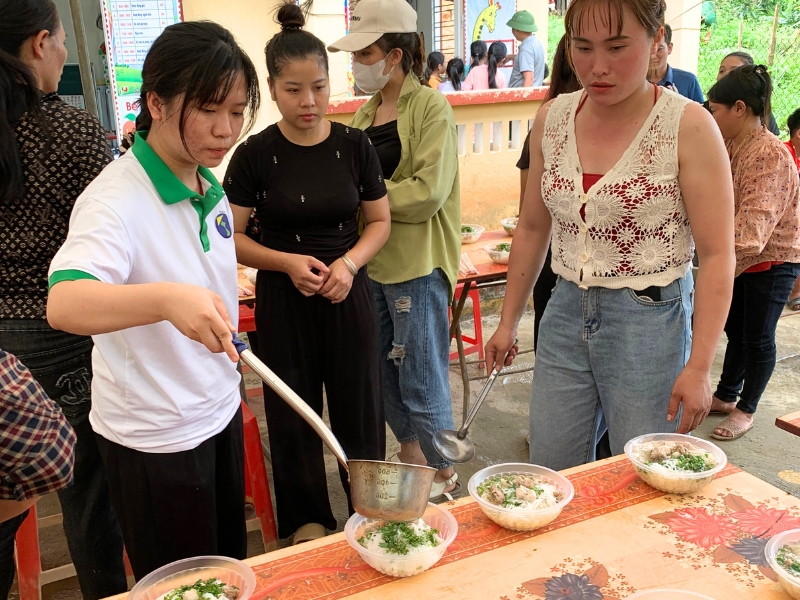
{"x": 62, "y": 364}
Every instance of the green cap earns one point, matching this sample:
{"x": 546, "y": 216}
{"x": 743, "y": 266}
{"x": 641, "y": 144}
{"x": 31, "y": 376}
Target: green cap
{"x": 523, "y": 21}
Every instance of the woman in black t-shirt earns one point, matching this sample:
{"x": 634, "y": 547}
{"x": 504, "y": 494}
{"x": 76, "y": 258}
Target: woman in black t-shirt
{"x": 307, "y": 178}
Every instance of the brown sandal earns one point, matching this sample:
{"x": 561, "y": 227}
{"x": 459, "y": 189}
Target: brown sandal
{"x": 308, "y": 532}
{"x": 734, "y": 429}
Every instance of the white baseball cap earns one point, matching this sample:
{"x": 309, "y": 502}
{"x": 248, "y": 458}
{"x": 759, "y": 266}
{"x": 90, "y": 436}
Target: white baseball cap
{"x": 370, "y": 19}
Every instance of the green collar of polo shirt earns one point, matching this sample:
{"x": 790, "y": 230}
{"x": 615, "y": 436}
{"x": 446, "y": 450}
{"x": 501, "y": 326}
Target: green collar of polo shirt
{"x": 172, "y": 190}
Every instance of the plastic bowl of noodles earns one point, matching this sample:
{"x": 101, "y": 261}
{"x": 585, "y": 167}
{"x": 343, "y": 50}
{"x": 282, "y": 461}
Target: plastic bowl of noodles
{"x": 471, "y": 233}
{"x": 413, "y": 563}
{"x": 521, "y": 519}
{"x": 187, "y": 571}
{"x": 675, "y": 482}
{"x": 789, "y": 582}
{"x": 499, "y": 252}
{"x": 668, "y": 595}
{"x": 510, "y": 225}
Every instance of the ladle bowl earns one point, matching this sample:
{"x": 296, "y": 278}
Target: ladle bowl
{"x": 389, "y": 491}
{"x": 455, "y": 446}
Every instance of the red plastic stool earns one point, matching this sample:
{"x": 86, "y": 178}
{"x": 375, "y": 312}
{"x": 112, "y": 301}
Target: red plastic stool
{"x": 472, "y": 344}
{"x": 256, "y": 484}
{"x": 30, "y": 577}
{"x": 247, "y": 318}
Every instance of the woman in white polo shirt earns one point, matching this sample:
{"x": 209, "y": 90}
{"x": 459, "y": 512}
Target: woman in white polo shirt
{"x": 149, "y": 270}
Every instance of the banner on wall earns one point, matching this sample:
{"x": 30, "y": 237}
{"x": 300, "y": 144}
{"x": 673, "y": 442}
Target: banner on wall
{"x": 486, "y": 20}
{"x": 131, "y": 27}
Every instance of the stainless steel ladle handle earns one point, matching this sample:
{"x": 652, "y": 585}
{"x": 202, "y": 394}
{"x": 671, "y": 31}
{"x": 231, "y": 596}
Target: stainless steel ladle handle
{"x": 296, "y": 402}
{"x": 462, "y": 433}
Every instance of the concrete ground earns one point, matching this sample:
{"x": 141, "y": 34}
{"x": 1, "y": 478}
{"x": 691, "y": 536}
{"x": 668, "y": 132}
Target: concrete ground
{"x": 500, "y": 428}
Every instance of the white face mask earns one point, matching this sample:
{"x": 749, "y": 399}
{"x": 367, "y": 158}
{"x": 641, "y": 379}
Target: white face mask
{"x": 370, "y": 78}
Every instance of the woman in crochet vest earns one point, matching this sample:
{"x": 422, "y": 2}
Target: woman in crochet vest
{"x": 629, "y": 173}
{"x": 767, "y": 241}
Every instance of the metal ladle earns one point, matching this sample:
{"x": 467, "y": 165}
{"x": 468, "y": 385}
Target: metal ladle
{"x": 378, "y": 489}
{"x": 454, "y": 445}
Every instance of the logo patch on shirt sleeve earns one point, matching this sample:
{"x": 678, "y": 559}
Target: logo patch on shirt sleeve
{"x": 223, "y": 225}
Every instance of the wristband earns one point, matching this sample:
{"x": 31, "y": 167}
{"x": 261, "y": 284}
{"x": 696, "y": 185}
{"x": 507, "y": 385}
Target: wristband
{"x": 350, "y": 265}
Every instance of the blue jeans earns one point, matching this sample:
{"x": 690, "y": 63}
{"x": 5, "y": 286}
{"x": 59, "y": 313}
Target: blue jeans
{"x": 62, "y": 364}
{"x": 414, "y": 343}
{"x": 758, "y": 301}
{"x": 610, "y": 350}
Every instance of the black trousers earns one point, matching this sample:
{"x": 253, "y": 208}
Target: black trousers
{"x": 180, "y": 504}
{"x": 310, "y": 343}
{"x": 750, "y": 356}
{"x": 542, "y": 290}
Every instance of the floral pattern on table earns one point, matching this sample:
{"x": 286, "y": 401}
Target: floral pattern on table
{"x": 724, "y": 531}
{"x": 576, "y": 579}
{"x": 337, "y": 571}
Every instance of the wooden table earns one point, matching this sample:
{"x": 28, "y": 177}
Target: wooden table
{"x": 790, "y": 422}
{"x": 618, "y": 536}
{"x": 245, "y": 283}
{"x": 490, "y": 274}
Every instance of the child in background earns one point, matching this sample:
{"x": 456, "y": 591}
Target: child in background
{"x": 477, "y": 55}
{"x": 486, "y": 76}
{"x": 455, "y": 71}
{"x": 434, "y": 69}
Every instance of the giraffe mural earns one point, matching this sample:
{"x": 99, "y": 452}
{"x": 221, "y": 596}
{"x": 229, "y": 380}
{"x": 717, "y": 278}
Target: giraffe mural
{"x": 487, "y": 18}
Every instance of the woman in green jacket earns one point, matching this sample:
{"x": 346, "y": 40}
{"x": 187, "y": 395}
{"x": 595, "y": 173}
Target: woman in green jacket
{"x": 413, "y": 277}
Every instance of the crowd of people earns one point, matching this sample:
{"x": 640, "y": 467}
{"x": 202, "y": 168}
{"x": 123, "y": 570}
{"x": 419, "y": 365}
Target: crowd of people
{"x": 118, "y": 278}
{"x": 486, "y": 66}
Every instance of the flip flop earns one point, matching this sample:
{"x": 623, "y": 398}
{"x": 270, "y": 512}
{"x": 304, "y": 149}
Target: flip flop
{"x": 308, "y": 532}
{"x": 735, "y": 429}
{"x": 438, "y": 495}
{"x": 794, "y": 304}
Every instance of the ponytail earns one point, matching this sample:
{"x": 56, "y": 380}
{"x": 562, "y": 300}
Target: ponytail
{"x": 497, "y": 53}
{"x": 19, "y": 90}
{"x": 477, "y": 51}
{"x": 455, "y": 69}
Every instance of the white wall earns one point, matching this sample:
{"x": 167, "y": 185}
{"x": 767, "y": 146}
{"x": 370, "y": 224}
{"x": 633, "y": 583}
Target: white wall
{"x": 684, "y": 18}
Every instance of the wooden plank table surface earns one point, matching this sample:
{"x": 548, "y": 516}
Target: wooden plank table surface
{"x": 616, "y": 537}
{"x": 790, "y": 422}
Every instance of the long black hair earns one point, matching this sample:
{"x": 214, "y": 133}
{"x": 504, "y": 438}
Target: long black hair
{"x": 292, "y": 42}
{"x": 751, "y": 84}
{"x": 563, "y": 80}
{"x": 202, "y": 61}
{"x": 19, "y": 89}
{"x": 497, "y": 53}
{"x": 455, "y": 69}
{"x": 435, "y": 60}
{"x": 477, "y": 50}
